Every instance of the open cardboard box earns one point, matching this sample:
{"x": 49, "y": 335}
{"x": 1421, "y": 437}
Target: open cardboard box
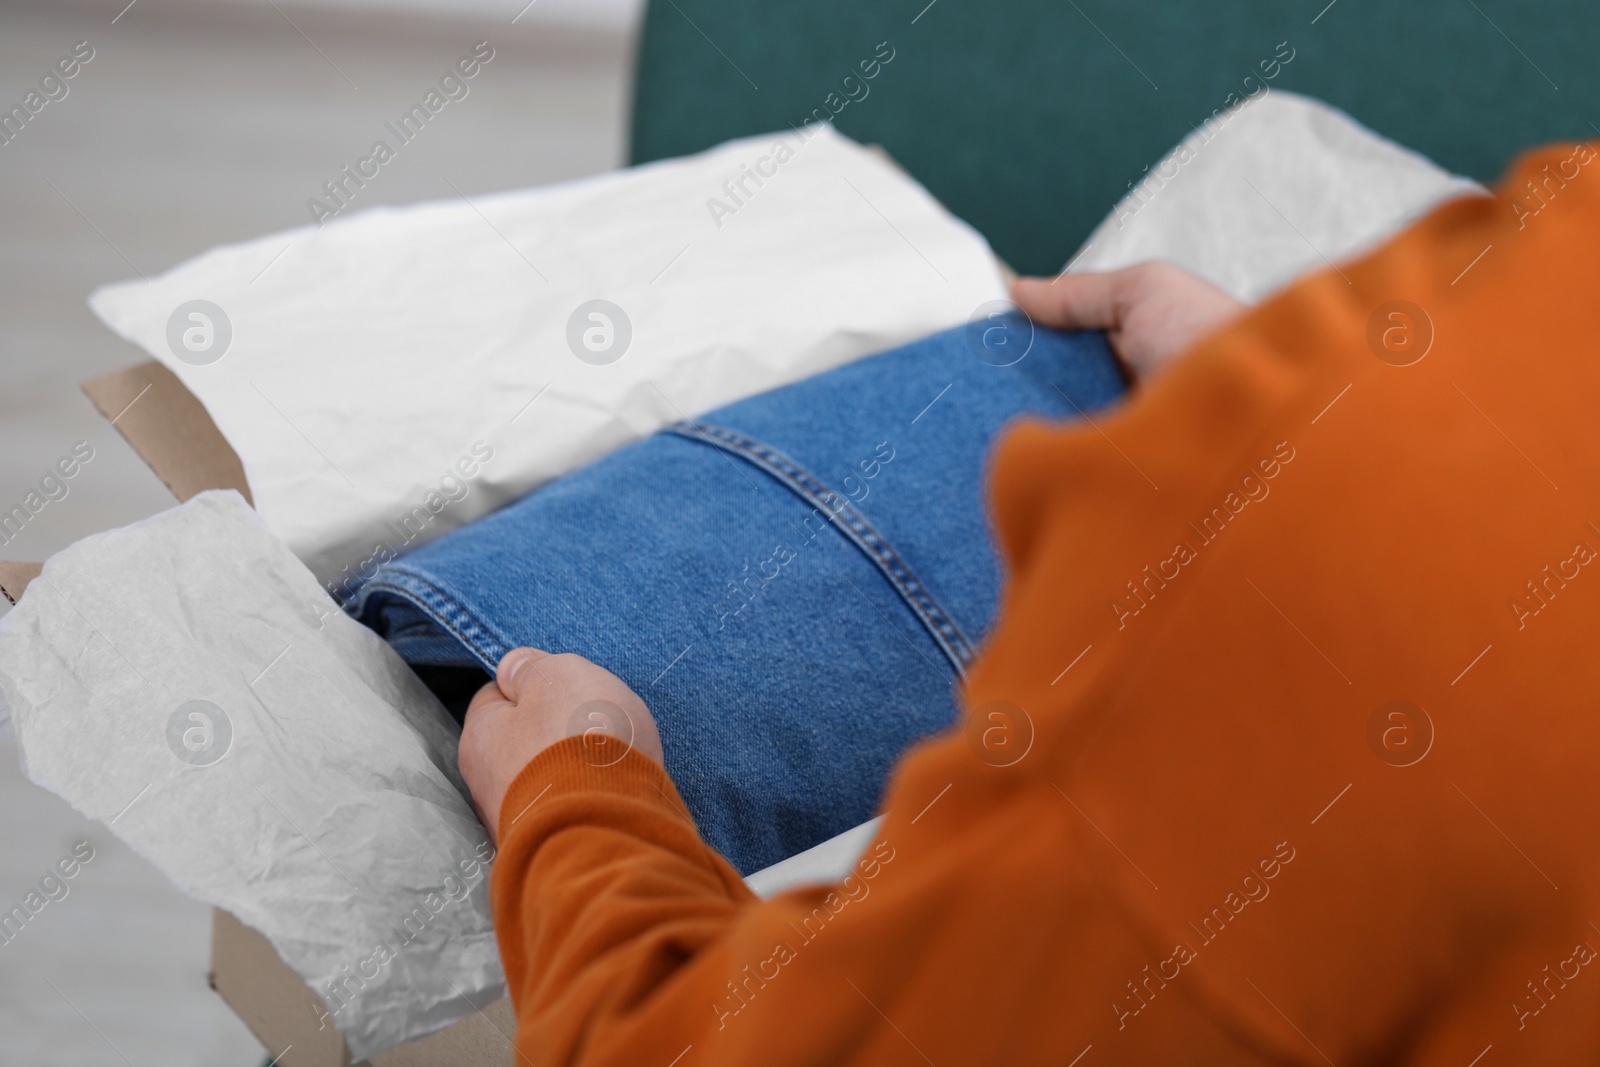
{"x": 174, "y": 434}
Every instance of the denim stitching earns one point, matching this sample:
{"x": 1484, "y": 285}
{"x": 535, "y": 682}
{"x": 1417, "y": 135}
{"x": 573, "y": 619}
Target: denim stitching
{"x": 443, "y": 609}
{"x": 850, "y": 522}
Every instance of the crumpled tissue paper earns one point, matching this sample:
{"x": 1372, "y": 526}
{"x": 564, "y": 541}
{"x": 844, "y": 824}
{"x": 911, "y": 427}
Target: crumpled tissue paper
{"x": 400, "y": 372}
{"x": 187, "y": 682}
{"x": 1261, "y": 194}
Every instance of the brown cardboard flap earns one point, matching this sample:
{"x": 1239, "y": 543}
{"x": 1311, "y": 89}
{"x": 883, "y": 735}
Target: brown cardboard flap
{"x": 289, "y": 1019}
{"x": 169, "y": 428}
{"x": 274, "y": 1002}
{"x": 14, "y": 578}
{"x": 172, "y": 432}
{"x": 481, "y": 1040}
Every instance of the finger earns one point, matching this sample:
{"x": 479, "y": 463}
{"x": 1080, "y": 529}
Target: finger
{"x": 517, "y": 669}
{"x": 1071, "y": 301}
{"x": 489, "y": 693}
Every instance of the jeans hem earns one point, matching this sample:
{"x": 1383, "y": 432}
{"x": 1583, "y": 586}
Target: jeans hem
{"x": 443, "y": 608}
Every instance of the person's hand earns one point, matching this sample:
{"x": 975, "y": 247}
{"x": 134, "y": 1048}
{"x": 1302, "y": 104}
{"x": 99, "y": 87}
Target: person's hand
{"x": 536, "y": 700}
{"x": 1151, "y": 312}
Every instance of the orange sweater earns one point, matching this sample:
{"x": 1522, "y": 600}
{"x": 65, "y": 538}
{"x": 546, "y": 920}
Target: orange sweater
{"x": 1187, "y": 821}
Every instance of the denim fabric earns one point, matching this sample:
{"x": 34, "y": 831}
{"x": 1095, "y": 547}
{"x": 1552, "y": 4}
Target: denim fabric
{"x": 792, "y": 583}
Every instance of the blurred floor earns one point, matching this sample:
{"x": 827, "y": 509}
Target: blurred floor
{"x": 199, "y": 123}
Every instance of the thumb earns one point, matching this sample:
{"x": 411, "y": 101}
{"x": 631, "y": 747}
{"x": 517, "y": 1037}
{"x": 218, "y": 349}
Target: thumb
{"x": 518, "y": 669}
{"x": 1071, "y": 301}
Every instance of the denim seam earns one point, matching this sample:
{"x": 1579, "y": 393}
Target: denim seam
{"x": 444, "y": 609}
{"x": 852, "y": 524}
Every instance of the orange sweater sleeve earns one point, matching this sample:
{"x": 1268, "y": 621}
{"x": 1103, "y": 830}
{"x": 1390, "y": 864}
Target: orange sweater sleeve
{"x": 627, "y": 940}
{"x": 1282, "y": 750}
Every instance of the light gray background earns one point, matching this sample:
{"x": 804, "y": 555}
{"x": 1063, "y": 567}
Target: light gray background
{"x": 199, "y": 123}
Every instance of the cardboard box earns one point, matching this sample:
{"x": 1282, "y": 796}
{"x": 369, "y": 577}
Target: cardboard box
{"x": 173, "y": 433}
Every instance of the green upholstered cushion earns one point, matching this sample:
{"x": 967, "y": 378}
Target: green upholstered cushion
{"x": 1030, "y": 118}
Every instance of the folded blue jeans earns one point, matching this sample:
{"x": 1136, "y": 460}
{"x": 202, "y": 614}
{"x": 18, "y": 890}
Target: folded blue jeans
{"x": 792, "y": 583}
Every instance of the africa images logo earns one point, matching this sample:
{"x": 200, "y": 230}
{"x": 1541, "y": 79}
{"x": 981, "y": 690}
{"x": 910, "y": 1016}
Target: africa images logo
{"x": 199, "y": 733}
{"x": 199, "y": 332}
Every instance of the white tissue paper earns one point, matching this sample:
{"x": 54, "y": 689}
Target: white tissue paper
{"x": 185, "y": 681}
{"x": 362, "y": 370}
{"x": 1258, "y": 196}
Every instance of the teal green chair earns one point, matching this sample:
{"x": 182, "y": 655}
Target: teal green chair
{"x": 1030, "y": 118}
